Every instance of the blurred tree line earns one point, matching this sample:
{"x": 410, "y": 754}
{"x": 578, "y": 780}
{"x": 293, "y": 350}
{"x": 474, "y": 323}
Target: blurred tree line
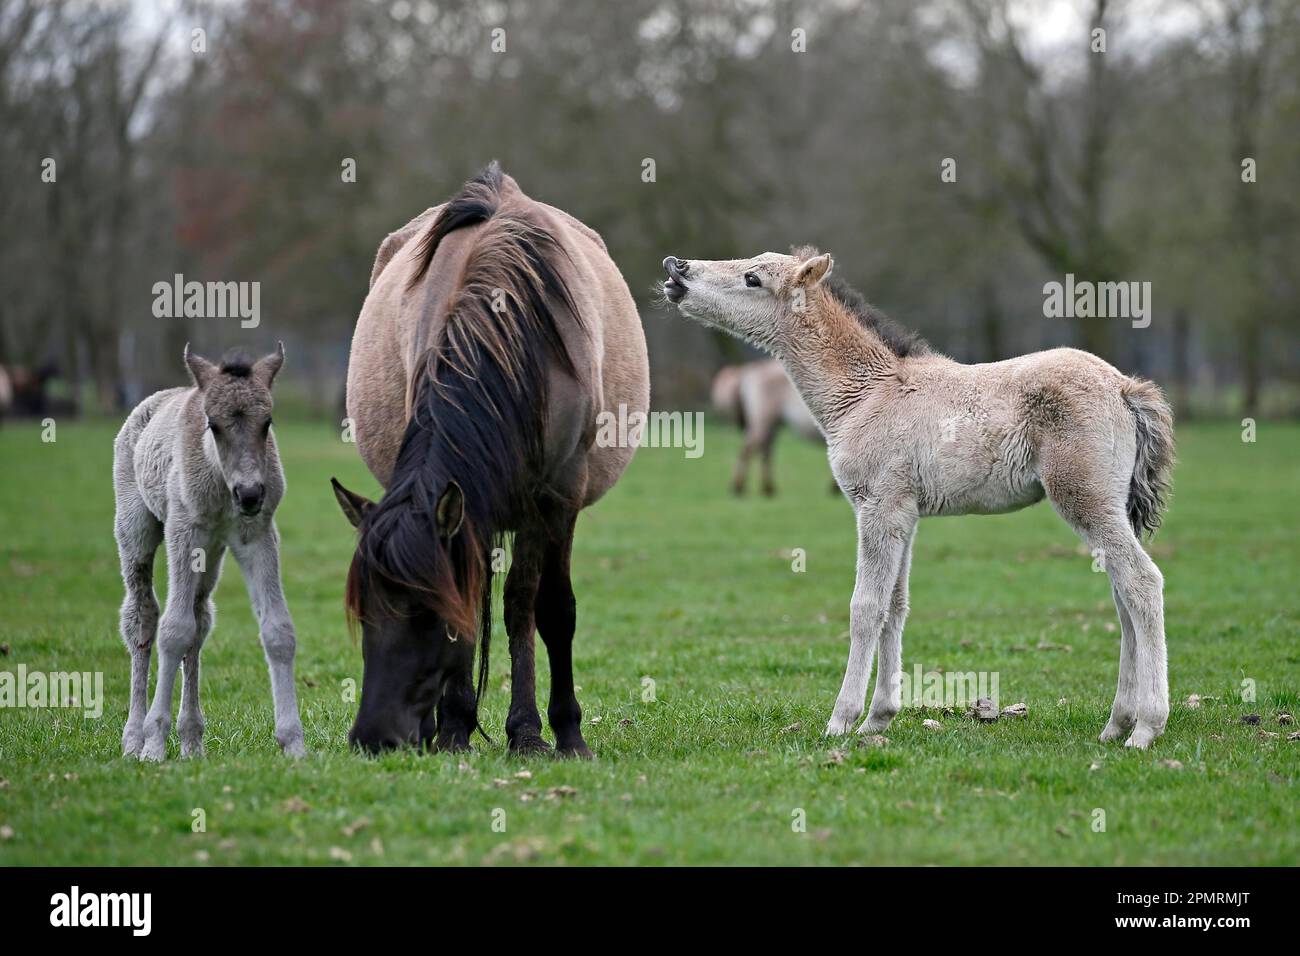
{"x": 215, "y": 139}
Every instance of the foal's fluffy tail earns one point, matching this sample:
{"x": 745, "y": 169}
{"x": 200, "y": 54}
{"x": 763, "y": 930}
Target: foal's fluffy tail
{"x": 1149, "y": 488}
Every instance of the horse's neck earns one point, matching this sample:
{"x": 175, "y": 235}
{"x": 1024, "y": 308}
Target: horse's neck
{"x": 839, "y": 366}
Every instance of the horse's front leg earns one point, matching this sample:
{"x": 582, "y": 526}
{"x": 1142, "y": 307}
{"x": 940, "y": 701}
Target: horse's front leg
{"x": 882, "y": 536}
{"x": 177, "y": 633}
{"x": 259, "y": 559}
{"x": 524, "y": 723}
{"x": 886, "y": 699}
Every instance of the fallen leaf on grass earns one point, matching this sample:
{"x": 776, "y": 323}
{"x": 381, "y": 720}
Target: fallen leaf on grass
{"x": 792, "y": 728}
{"x": 561, "y": 792}
{"x": 338, "y": 853}
{"x": 498, "y": 782}
{"x": 356, "y": 826}
{"x": 1284, "y": 718}
{"x": 834, "y": 757}
{"x": 1015, "y": 710}
{"x": 1171, "y": 764}
{"x": 295, "y": 805}
{"x": 524, "y": 775}
{"x": 1267, "y": 735}
{"x": 984, "y": 710}
{"x": 1293, "y": 736}
{"x": 873, "y": 740}
{"x": 6, "y": 832}
{"x": 1251, "y": 719}
{"x": 931, "y": 725}
{"x": 1193, "y": 701}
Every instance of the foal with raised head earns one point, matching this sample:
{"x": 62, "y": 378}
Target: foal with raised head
{"x": 911, "y": 433}
{"x": 198, "y": 467}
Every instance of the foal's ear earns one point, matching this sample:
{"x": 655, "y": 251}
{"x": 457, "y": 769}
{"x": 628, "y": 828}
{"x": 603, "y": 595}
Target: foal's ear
{"x": 264, "y": 369}
{"x": 201, "y": 370}
{"x": 354, "y": 505}
{"x": 450, "y": 512}
{"x": 811, "y": 271}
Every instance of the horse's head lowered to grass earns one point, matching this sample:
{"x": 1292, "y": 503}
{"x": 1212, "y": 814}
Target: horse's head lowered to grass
{"x": 414, "y": 631}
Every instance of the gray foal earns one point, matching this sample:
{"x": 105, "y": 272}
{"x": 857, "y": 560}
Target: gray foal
{"x": 198, "y": 467}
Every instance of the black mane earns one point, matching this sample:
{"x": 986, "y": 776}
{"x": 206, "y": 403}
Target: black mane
{"x": 237, "y": 363}
{"x": 901, "y": 341}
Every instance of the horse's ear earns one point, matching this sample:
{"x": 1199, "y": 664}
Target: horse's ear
{"x": 201, "y": 370}
{"x": 264, "y": 369}
{"x": 811, "y": 271}
{"x": 354, "y": 505}
{"x": 450, "y": 512}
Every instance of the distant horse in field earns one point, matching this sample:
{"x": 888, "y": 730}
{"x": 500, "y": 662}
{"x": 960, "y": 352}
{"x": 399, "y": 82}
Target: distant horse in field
{"x": 759, "y": 398}
{"x": 198, "y": 468}
{"x": 496, "y": 330}
{"x": 912, "y": 433}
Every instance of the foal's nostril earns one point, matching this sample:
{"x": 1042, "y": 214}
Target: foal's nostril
{"x": 249, "y": 497}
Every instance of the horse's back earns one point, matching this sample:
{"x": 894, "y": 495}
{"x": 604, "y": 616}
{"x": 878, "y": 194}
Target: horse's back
{"x": 399, "y": 324}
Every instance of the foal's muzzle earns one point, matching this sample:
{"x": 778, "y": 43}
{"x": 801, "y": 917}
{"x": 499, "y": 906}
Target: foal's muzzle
{"x": 675, "y": 286}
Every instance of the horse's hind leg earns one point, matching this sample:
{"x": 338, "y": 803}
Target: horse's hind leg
{"x": 1123, "y": 713}
{"x": 138, "y": 535}
{"x": 524, "y": 723}
{"x": 189, "y": 725}
{"x": 1095, "y": 508}
{"x": 556, "y": 611}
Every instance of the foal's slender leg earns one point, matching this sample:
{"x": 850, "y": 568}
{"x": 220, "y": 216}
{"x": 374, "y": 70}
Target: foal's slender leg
{"x": 524, "y": 723}
{"x": 138, "y": 535}
{"x": 886, "y": 699}
{"x": 882, "y": 535}
{"x": 1123, "y": 713}
{"x": 1140, "y": 586}
{"x": 556, "y": 611}
{"x": 260, "y": 562}
{"x": 189, "y": 725}
{"x": 176, "y": 635}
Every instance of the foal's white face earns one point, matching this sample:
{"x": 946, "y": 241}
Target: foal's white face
{"x": 762, "y": 300}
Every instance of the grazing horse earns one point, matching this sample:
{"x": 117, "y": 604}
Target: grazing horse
{"x": 759, "y": 398}
{"x": 911, "y": 433}
{"x": 496, "y": 330}
{"x": 198, "y": 467}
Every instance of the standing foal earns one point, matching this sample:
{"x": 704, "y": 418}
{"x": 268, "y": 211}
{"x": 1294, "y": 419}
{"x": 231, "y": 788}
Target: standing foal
{"x": 912, "y": 433}
{"x": 198, "y": 466}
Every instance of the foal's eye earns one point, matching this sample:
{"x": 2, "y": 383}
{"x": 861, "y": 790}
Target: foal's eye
{"x": 752, "y": 280}
{"x": 214, "y": 427}
{"x": 266, "y": 429}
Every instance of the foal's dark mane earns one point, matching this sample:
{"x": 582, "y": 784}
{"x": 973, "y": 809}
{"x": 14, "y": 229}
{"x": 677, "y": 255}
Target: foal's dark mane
{"x": 478, "y": 416}
{"x": 899, "y": 340}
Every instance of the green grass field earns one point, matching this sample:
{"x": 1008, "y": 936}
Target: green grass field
{"x": 681, "y": 583}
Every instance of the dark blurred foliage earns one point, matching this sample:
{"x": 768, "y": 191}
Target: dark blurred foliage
{"x": 226, "y": 165}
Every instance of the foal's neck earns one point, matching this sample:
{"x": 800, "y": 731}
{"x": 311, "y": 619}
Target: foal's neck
{"x": 837, "y": 362}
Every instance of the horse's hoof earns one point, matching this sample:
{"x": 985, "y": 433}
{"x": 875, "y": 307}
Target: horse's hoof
{"x": 1142, "y": 737}
{"x": 527, "y": 744}
{"x": 840, "y": 726}
{"x": 131, "y": 744}
{"x": 1113, "y": 731}
{"x": 294, "y": 748}
{"x": 451, "y": 745}
{"x": 579, "y": 751}
{"x": 153, "y": 750}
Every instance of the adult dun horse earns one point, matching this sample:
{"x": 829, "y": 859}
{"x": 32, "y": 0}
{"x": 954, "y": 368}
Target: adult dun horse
{"x": 496, "y": 330}
{"x": 911, "y": 433}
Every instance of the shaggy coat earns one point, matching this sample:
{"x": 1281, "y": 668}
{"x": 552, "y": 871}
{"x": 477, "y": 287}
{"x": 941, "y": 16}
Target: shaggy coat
{"x": 911, "y": 433}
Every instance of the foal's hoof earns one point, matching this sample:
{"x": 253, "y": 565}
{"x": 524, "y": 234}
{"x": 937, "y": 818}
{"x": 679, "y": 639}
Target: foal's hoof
{"x": 154, "y": 750}
{"x": 295, "y": 749}
{"x": 1142, "y": 738}
{"x": 1113, "y": 731}
{"x": 528, "y": 744}
{"x": 131, "y": 744}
